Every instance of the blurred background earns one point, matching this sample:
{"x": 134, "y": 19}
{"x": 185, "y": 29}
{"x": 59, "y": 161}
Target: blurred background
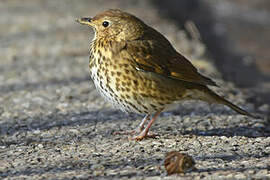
{"x": 237, "y": 34}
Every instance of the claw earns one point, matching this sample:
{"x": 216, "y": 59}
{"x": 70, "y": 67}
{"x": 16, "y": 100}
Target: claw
{"x": 141, "y": 137}
{"x": 125, "y": 132}
{"x": 143, "y": 132}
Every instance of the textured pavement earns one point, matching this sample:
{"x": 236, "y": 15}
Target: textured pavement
{"x": 54, "y": 125}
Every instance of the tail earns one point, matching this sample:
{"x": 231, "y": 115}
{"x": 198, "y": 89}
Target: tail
{"x": 220, "y": 100}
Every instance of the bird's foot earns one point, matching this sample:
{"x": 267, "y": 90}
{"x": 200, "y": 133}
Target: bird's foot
{"x": 125, "y": 132}
{"x": 143, "y": 136}
{"x": 133, "y": 132}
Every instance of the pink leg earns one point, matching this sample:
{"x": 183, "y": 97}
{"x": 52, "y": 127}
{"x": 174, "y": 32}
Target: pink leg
{"x": 137, "y": 130}
{"x": 144, "y": 120}
{"x": 144, "y": 133}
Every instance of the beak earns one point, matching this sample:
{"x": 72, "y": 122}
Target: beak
{"x": 85, "y": 21}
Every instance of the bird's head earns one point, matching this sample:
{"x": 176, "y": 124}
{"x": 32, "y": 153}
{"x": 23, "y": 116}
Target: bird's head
{"x": 115, "y": 24}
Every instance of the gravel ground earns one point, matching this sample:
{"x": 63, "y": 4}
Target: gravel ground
{"x": 54, "y": 125}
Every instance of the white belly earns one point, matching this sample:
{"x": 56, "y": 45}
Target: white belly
{"x": 109, "y": 94}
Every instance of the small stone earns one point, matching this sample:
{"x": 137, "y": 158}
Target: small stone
{"x": 240, "y": 176}
{"x": 75, "y": 131}
{"x": 98, "y": 167}
{"x": 36, "y": 131}
{"x": 40, "y": 146}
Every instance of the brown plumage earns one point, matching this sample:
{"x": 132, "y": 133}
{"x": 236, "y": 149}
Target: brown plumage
{"x": 136, "y": 68}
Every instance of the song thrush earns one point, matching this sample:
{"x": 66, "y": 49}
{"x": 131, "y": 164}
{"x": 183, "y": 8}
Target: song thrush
{"x": 136, "y": 68}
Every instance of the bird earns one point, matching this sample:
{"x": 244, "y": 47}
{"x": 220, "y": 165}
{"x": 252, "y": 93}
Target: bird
{"x": 135, "y": 68}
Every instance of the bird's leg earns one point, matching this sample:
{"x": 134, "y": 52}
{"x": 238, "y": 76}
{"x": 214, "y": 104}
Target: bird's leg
{"x": 144, "y": 133}
{"x": 144, "y": 120}
{"x": 139, "y": 129}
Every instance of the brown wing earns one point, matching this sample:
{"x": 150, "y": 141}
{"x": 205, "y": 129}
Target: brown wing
{"x": 157, "y": 55}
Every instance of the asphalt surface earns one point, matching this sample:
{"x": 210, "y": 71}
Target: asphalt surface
{"x": 54, "y": 125}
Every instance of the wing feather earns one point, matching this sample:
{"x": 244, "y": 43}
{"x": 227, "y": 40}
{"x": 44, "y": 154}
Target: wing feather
{"x": 161, "y": 58}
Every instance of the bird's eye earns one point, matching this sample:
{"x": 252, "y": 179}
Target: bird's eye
{"x": 105, "y": 23}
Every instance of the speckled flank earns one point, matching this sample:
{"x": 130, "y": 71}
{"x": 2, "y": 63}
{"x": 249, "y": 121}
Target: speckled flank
{"x": 128, "y": 88}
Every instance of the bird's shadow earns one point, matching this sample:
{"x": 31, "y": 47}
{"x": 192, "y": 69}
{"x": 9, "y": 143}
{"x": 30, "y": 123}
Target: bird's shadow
{"x": 46, "y": 122}
{"x": 246, "y": 131}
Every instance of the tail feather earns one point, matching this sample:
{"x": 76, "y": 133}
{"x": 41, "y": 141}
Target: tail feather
{"x": 220, "y": 100}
